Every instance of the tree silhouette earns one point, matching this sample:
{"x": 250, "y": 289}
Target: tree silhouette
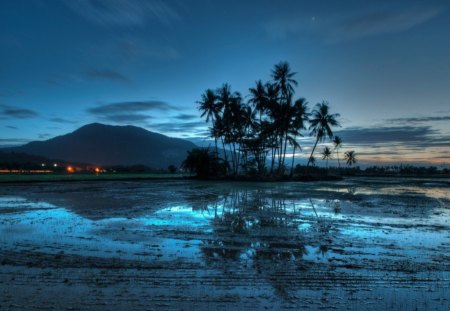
{"x": 299, "y": 116}
{"x": 337, "y": 142}
{"x": 284, "y": 83}
{"x": 266, "y": 125}
{"x": 350, "y": 157}
{"x": 203, "y": 163}
{"x": 210, "y": 109}
{"x": 312, "y": 160}
{"x": 321, "y": 123}
{"x": 283, "y": 78}
{"x": 326, "y": 154}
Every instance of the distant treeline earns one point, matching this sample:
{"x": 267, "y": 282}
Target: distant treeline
{"x": 390, "y": 170}
{"x": 17, "y": 161}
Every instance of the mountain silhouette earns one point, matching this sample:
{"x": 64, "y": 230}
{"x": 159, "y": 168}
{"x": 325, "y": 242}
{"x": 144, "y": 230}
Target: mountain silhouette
{"x": 106, "y": 145}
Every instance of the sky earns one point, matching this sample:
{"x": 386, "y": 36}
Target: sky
{"x": 383, "y": 65}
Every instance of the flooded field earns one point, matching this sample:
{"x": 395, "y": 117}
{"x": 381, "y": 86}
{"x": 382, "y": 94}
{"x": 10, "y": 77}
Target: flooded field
{"x": 357, "y": 244}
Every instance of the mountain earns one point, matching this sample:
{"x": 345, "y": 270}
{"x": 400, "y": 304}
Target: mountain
{"x": 106, "y": 145}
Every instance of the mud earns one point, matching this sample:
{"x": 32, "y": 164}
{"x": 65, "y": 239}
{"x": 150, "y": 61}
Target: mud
{"x": 357, "y": 244}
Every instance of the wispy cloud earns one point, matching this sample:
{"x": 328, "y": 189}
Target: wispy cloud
{"x": 11, "y": 127}
{"x": 186, "y": 117}
{"x": 124, "y": 13}
{"x": 12, "y": 112}
{"x": 362, "y": 21}
{"x": 127, "y": 118}
{"x": 62, "y": 121}
{"x": 413, "y": 137}
{"x": 134, "y": 106}
{"x": 137, "y": 111}
{"x": 383, "y": 22}
{"x": 107, "y": 74}
{"x": 13, "y": 141}
{"x": 44, "y": 136}
{"x": 191, "y": 129}
{"x": 420, "y": 119}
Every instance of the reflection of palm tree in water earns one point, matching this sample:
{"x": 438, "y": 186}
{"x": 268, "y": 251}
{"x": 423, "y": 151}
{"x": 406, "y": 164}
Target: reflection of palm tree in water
{"x": 260, "y": 229}
{"x": 260, "y": 224}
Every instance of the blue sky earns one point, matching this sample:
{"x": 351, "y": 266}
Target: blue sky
{"x": 383, "y": 65}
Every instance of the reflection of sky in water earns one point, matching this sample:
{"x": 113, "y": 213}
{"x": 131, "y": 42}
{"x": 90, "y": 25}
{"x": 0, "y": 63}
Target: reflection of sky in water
{"x": 264, "y": 212}
{"x": 391, "y": 186}
{"x": 180, "y": 215}
{"x": 56, "y": 229}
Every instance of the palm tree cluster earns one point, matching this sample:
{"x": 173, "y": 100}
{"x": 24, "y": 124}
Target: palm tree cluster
{"x": 264, "y": 127}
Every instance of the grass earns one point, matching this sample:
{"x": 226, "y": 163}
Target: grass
{"x": 50, "y": 177}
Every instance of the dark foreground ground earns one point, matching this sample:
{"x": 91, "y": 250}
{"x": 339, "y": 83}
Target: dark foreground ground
{"x": 356, "y": 244}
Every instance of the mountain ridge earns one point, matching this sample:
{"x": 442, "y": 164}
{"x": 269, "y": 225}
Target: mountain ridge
{"x": 109, "y": 145}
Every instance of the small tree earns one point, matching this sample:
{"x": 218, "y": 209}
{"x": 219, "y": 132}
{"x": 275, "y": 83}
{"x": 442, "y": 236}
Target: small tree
{"x": 350, "y": 157}
{"x": 326, "y": 154}
{"x": 337, "y": 142}
{"x": 172, "y": 169}
{"x": 203, "y": 163}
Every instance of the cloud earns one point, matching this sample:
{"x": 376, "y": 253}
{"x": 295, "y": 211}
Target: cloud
{"x": 13, "y": 141}
{"x": 12, "y": 127}
{"x": 359, "y": 21}
{"x": 135, "y": 106}
{"x": 186, "y": 117}
{"x": 413, "y": 137}
{"x": 127, "y": 118}
{"x": 137, "y": 111}
{"x": 106, "y": 74}
{"x": 62, "y": 121}
{"x": 124, "y": 13}
{"x": 44, "y": 136}
{"x": 7, "y": 112}
{"x": 381, "y": 22}
{"x": 420, "y": 119}
{"x": 192, "y": 128}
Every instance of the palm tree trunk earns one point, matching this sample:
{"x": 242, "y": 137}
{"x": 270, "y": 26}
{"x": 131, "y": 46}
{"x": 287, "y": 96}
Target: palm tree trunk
{"x": 292, "y": 164}
{"x": 217, "y": 150}
{"x": 339, "y": 162}
{"x": 224, "y": 150}
{"x": 273, "y": 160}
{"x": 312, "y": 152}
{"x": 285, "y": 147}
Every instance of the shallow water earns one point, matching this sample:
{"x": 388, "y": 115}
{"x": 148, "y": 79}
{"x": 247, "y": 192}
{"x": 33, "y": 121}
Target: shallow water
{"x": 360, "y": 243}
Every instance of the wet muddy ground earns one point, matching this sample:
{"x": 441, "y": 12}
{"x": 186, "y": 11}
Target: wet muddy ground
{"x": 357, "y": 244}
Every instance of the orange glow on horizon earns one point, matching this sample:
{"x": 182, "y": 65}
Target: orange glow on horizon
{"x": 70, "y": 169}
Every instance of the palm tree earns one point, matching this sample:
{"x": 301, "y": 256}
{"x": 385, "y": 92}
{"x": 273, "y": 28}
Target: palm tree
{"x": 283, "y": 78}
{"x": 208, "y": 106}
{"x": 258, "y": 98}
{"x": 321, "y": 123}
{"x": 337, "y": 141}
{"x": 312, "y": 160}
{"x": 293, "y": 142}
{"x": 299, "y": 115}
{"x": 326, "y": 154}
{"x": 350, "y": 157}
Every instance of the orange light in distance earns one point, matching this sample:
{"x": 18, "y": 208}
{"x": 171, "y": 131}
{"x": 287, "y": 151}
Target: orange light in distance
{"x": 97, "y": 170}
{"x": 70, "y": 169}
